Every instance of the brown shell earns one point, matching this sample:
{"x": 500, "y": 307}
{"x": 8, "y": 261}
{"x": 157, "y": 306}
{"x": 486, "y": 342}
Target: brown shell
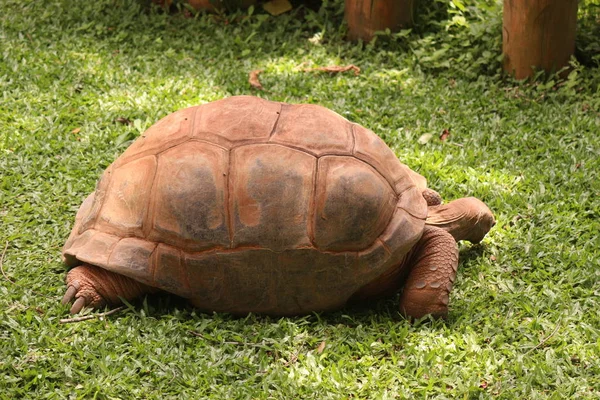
{"x": 246, "y": 205}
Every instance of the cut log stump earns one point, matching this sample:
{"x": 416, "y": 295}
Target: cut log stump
{"x": 365, "y": 17}
{"x": 538, "y": 34}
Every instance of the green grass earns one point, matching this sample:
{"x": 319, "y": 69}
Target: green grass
{"x": 524, "y": 320}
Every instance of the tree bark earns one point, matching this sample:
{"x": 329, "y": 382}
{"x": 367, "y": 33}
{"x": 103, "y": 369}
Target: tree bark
{"x": 538, "y": 34}
{"x": 365, "y": 17}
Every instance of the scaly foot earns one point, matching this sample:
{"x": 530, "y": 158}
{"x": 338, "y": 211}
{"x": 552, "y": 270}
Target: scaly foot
{"x": 94, "y": 287}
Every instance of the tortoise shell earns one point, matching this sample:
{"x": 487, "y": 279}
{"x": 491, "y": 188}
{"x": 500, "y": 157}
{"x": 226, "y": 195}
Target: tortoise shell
{"x": 247, "y": 205}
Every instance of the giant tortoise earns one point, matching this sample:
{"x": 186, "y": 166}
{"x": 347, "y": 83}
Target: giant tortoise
{"x": 247, "y": 205}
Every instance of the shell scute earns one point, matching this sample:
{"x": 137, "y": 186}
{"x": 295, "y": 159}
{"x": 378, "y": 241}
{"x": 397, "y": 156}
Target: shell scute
{"x": 92, "y": 247}
{"x": 236, "y": 120}
{"x": 190, "y": 197}
{"x": 133, "y": 257}
{"x": 126, "y": 202}
{"x": 170, "y": 275}
{"x": 313, "y": 128}
{"x": 171, "y": 130}
{"x": 271, "y": 189}
{"x": 371, "y": 149}
{"x": 402, "y": 233}
{"x": 207, "y": 277}
{"x": 353, "y": 204}
{"x": 89, "y": 216}
{"x": 413, "y": 202}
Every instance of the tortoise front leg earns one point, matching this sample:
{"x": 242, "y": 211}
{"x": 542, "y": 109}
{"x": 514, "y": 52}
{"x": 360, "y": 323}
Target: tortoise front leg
{"x": 94, "y": 287}
{"x": 434, "y": 261}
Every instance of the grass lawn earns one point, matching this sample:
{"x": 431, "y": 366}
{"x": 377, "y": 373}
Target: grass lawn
{"x": 524, "y": 319}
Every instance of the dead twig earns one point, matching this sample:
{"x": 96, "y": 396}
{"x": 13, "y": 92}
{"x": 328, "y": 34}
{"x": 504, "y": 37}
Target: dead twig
{"x": 544, "y": 340}
{"x": 335, "y": 69}
{"x": 2, "y": 265}
{"x": 92, "y": 316}
{"x": 253, "y": 79}
{"x": 321, "y": 347}
{"x": 292, "y": 359}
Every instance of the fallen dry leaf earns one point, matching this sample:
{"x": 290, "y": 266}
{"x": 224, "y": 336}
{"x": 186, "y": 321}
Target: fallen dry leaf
{"x": 76, "y": 131}
{"x": 334, "y": 69}
{"x": 445, "y": 134}
{"x": 124, "y": 121}
{"x": 321, "y": 347}
{"x": 277, "y": 7}
{"x": 424, "y": 138}
{"x": 253, "y": 79}
{"x": 292, "y": 360}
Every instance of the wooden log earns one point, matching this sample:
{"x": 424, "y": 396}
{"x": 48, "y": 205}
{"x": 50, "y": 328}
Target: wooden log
{"x": 365, "y": 17}
{"x": 538, "y": 34}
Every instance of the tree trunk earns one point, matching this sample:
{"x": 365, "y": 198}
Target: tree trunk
{"x": 538, "y": 34}
{"x": 365, "y": 17}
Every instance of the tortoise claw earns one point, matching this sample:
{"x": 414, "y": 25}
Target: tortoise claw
{"x": 78, "y": 305}
{"x": 69, "y": 294}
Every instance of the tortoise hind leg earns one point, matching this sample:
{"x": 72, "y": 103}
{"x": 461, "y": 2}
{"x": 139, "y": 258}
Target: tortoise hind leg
{"x": 434, "y": 262}
{"x": 94, "y": 287}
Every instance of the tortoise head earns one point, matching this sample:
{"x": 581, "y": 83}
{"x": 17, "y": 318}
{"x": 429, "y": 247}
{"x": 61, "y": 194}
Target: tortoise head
{"x": 465, "y": 219}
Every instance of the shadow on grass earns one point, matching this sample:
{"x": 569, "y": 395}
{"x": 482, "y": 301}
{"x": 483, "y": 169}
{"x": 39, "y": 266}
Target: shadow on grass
{"x": 364, "y": 314}
{"x": 470, "y": 254}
